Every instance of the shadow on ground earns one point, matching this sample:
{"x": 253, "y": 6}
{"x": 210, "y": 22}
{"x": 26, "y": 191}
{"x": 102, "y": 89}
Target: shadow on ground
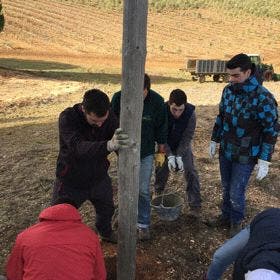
{"x": 68, "y": 72}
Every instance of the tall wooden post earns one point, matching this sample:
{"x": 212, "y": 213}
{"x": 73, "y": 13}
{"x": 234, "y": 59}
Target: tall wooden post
{"x": 133, "y": 70}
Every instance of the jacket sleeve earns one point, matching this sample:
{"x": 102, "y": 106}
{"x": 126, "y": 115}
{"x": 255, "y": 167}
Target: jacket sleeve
{"x": 185, "y": 142}
{"x": 161, "y": 123}
{"x": 167, "y": 149}
{"x": 218, "y": 126}
{"x": 268, "y": 117}
{"x": 14, "y": 268}
{"x": 99, "y": 266}
{"x": 69, "y": 133}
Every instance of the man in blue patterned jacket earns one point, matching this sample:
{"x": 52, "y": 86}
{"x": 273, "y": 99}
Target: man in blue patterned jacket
{"x": 246, "y": 128}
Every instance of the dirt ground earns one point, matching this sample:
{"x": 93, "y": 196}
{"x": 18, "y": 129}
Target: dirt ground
{"x": 29, "y": 147}
{"x": 33, "y": 95}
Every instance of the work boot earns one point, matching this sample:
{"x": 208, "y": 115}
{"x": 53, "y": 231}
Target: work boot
{"x": 143, "y": 234}
{"x": 220, "y": 222}
{"x": 234, "y": 229}
{"x": 111, "y": 238}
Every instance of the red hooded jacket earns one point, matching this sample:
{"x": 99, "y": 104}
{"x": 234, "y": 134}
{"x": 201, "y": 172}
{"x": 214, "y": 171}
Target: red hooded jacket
{"x": 59, "y": 247}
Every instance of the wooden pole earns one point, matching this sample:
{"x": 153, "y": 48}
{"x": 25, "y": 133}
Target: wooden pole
{"x": 133, "y": 70}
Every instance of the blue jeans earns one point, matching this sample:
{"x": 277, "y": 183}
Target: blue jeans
{"x": 227, "y": 254}
{"x": 235, "y": 177}
{"x": 144, "y": 207}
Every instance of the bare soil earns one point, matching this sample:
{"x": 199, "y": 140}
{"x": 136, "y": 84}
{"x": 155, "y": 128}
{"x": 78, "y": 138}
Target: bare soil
{"x": 30, "y": 104}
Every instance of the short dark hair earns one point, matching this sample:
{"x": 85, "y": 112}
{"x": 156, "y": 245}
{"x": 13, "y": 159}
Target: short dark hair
{"x": 147, "y": 82}
{"x": 240, "y": 60}
{"x": 65, "y": 199}
{"x": 96, "y": 101}
{"x": 178, "y": 97}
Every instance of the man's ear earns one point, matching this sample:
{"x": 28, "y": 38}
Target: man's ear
{"x": 250, "y": 72}
{"x": 83, "y": 109}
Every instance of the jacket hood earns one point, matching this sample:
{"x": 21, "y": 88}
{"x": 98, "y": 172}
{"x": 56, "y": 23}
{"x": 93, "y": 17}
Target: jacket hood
{"x": 60, "y": 212}
{"x": 248, "y": 86}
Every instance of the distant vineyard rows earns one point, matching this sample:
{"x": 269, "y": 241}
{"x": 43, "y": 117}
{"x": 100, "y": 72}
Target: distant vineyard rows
{"x": 271, "y": 8}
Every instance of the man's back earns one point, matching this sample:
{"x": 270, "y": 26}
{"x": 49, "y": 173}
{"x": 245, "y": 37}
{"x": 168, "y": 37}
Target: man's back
{"x": 60, "y": 246}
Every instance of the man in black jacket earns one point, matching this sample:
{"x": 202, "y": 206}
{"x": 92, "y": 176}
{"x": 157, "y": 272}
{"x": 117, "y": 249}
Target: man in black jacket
{"x": 255, "y": 250}
{"x": 179, "y": 156}
{"x": 87, "y": 134}
{"x": 260, "y": 258}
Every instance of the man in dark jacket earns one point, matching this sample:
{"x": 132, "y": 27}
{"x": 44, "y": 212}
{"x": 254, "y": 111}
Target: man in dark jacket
{"x": 87, "y": 134}
{"x": 154, "y": 129}
{"x": 179, "y": 156}
{"x": 59, "y": 246}
{"x": 261, "y": 255}
{"x": 256, "y": 248}
{"x": 246, "y": 128}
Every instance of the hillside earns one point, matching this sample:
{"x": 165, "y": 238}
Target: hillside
{"x": 52, "y": 51}
{"x": 85, "y": 35}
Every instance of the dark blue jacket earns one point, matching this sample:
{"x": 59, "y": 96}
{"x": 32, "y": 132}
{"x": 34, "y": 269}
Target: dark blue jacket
{"x": 176, "y": 127}
{"x": 263, "y": 248}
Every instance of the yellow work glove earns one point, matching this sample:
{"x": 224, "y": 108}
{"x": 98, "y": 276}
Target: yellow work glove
{"x": 159, "y": 159}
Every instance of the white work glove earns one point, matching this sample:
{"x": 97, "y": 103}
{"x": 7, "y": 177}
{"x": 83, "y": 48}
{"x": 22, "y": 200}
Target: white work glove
{"x": 212, "y": 149}
{"x": 171, "y": 163}
{"x": 262, "y": 169}
{"x": 180, "y": 164}
{"x": 120, "y": 140}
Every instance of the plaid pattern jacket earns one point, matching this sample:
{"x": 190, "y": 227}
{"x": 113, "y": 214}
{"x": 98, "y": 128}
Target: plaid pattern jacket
{"x": 247, "y": 124}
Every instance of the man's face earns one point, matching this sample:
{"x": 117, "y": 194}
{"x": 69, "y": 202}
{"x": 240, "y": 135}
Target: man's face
{"x": 145, "y": 92}
{"x": 236, "y": 76}
{"x": 92, "y": 119}
{"x": 176, "y": 111}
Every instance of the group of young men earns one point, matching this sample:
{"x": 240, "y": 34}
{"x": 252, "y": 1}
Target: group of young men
{"x": 246, "y": 129}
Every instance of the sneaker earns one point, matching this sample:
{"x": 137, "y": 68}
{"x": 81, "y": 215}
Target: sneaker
{"x": 143, "y": 234}
{"x": 234, "y": 229}
{"x": 112, "y": 238}
{"x": 220, "y": 221}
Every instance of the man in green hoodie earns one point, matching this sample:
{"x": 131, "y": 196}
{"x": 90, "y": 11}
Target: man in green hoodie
{"x": 154, "y": 130}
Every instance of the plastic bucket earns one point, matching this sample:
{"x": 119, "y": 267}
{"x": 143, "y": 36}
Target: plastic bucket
{"x": 167, "y": 206}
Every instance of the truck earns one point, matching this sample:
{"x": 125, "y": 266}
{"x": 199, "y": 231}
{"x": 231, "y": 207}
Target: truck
{"x": 266, "y": 70}
{"x": 216, "y": 68}
{"x": 201, "y": 68}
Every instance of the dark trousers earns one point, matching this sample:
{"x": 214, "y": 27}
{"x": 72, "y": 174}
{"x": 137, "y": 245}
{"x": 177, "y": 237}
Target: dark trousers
{"x": 100, "y": 195}
{"x": 191, "y": 177}
{"x": 235, "y": 177}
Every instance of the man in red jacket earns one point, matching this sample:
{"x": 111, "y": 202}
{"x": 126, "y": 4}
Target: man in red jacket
{"x": 60, "y": 247}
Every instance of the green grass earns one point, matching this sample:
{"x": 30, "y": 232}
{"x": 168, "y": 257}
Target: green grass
{"x": 269, "y": 8}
